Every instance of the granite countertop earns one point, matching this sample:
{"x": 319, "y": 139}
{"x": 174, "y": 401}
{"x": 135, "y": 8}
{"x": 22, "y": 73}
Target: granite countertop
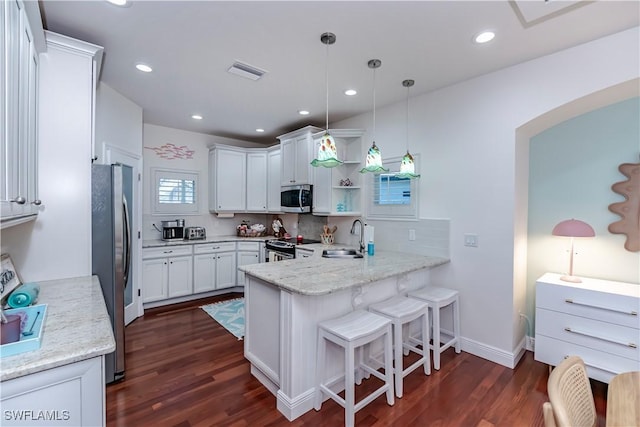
{"x": 155, "y": 243}
{"x": 77, "y": 327}
{"x": 316, "y": 275}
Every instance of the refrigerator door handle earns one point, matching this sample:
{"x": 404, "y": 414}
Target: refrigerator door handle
{"x": 127, "y": 233}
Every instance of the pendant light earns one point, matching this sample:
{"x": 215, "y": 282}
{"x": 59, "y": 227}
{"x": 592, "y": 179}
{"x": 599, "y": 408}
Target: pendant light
{"x": 407, "y": 166}
{"x": 373, "y": 162}
{"x": 327, "y": 152}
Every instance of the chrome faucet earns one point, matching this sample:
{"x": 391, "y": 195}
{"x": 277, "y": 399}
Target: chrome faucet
{"x": 353, "y": 227}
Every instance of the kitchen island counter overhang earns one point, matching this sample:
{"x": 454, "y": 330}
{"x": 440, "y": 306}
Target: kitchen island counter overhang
{"x": 285, "y": 301}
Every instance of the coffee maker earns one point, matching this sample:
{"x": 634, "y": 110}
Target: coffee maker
{"x": 173, "y": 230}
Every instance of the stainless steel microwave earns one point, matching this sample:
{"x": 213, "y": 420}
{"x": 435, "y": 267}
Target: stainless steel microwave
{"x": 296, "y": 198}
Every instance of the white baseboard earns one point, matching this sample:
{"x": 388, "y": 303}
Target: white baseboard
{"x": 294, "y": 408}
{"x": 493, "y": 354}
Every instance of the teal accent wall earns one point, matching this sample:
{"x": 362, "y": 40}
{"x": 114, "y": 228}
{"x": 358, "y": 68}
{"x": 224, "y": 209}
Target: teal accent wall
{"x": 571, "y": 169}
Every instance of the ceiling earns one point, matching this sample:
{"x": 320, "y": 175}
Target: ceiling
{"x": 191, "y": 44}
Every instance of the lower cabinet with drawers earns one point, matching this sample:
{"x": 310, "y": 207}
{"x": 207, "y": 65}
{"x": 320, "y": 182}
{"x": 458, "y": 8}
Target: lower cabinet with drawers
{"x": 214, "y": 266}
{"x": 176, "y": 273}
{"x": 167, "y": 272}
{"x": 597, "y": 320}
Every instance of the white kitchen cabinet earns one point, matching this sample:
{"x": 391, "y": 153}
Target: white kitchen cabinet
{"x": 19, "y": 116}
{"x": 226, "y": 270}
{"x": 248, "y": 253}
{"x": 297, "y": 152}
{"x": 227, "y": 179}
{"x": 180, "y": 276}
{"x": 273, "y": 179}
{"x": 214, "y": 266}
{"x": 330, "y": 195}
{"x": 257, "y": 183}
{"x": 167, "y": 272}
{"x": 596, "y": 320}
{"x": 69, "y": 395}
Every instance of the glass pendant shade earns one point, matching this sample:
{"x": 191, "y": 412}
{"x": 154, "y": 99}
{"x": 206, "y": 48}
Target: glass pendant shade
{"x": 327, "y": 153}
{"x": 374, "y": 160}
{"x": 407, "y": 167}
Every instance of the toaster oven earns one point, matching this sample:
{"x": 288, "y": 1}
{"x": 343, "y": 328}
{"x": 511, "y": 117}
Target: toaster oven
{"x": 195, "y": 233}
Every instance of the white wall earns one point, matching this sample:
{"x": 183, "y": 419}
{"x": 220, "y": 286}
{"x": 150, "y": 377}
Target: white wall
{"x": 157, "y": 136}
{"x": 466, "y": 137}
{"x": 118, "y": 123}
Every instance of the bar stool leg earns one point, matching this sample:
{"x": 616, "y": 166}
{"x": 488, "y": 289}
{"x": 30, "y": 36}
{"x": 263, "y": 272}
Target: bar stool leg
{"x": 349, "y": 387}
{"x": 397, "y": 359}
{"x": 425, "y": 343}
{"x": 322, "y": 349}
{"x": 435, "y": 310}
{"x": 456, "y": 323}
{"x": 388, "y": 365}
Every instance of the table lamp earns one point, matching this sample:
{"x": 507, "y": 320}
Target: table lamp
{"x": 572, "y": 228}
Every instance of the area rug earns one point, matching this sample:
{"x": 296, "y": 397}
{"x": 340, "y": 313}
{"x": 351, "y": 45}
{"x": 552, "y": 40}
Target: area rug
{"x": 230, "y": 314}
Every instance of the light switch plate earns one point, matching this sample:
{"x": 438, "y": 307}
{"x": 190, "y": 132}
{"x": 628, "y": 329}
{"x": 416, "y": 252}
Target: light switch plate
{"x": 412, "y": 234}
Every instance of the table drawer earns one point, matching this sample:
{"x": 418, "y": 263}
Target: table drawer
{"x": 205, "y": 248}
{"x": 166, "y": 251}
{"x": 600, "y": 365}
{"x": 618, "y": 340}
{"x": 608, "y": 307}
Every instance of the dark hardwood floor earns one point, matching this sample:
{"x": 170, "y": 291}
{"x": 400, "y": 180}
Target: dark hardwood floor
{"x": 183, "y": 369}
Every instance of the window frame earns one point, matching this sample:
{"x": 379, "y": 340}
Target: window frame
{"x": 389, "y": 211}
{"x": 174, "y": 208}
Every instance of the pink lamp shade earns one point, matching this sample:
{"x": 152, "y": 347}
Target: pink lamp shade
{"x": 573, "y": 228}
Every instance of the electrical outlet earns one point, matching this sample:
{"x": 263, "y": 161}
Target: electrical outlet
{"x": 531, "y": 343}
{"x": 412, "y": 234}
{"x": 471, "y": 240}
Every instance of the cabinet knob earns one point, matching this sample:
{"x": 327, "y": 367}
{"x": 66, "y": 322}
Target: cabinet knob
{"x": 37, "y": 202}
{"x": 19, "y": 200}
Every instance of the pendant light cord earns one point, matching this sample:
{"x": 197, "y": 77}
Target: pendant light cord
{"x": 407, "y": 124}
{"x": 374, "y": 106}
{"x": 326, "y": 77}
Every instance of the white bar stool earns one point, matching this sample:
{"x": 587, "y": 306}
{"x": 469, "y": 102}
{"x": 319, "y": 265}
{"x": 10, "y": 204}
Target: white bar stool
{"x": 402, "y": 311}
{"x": 438, "y": 298}
{"x": 351, "y": 331}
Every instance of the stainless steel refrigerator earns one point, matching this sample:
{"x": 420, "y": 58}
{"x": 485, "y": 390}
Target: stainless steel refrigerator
{"x": 112, "y": 189}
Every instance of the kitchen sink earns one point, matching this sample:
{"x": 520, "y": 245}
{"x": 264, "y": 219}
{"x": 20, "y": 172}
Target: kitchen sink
{"x": 341, "y": 253}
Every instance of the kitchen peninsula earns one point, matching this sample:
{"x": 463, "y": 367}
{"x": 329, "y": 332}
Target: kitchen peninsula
{"x": 284, "y": 301}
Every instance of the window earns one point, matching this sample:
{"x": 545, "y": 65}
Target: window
{"x": 175, "y": 191}
{"x": 391, "y": 197}
{"x": 391, "y": 190}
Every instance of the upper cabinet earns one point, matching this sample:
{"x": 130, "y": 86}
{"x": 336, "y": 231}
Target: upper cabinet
{"x": 244, "y": 179}
{"x": 297, "y": 152}
{"x": 337, "y": 191}
{"x": 273, "y": 179}
{"x": 257, "y": 181}
{"x": 19, "y": 199}
{"x": 228, "y": 179}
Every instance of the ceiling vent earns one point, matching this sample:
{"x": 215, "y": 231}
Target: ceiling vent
{"x": 246, "y": 70}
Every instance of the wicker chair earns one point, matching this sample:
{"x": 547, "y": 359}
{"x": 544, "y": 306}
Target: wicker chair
{"x": 570, "y": 395}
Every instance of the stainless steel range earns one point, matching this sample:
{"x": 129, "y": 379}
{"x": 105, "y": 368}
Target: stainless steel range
{"x": 280, "y": 250}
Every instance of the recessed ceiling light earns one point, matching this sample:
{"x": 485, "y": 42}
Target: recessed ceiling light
{"x": 144, "y": 68}
{"x": 196, "y": 117}
{"x": 350, "y": 92}
{"x": 259, "y": 130}
{"x": 303, "y": 112}
{"x": 484, "y": 37}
